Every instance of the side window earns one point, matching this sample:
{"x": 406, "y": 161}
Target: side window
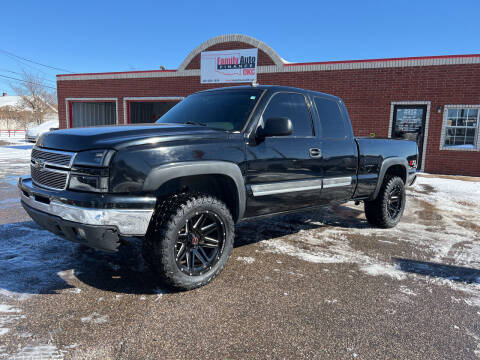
{"x": 331, "y": 119}
{"x": 293, "y": 106}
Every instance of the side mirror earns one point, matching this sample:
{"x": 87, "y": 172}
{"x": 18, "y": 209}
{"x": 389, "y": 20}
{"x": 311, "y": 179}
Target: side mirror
{"x": 281, "y": 126}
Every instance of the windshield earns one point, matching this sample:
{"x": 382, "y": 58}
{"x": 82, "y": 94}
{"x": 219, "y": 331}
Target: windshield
{"x": 224, "y": 110}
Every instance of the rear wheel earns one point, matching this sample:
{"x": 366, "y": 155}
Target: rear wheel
{"x": 190, "y": 240}
{"x": 387, "y": 209}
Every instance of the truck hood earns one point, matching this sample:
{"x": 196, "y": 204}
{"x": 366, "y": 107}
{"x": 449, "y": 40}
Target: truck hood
{"x": 119, "y": 136}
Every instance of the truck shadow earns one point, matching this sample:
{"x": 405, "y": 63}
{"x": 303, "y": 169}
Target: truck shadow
{"x": 35, "y": 261}
{"x": 126, "y": 272}
{"x": 283, "y": 225}
{"x": 449, "y": 272}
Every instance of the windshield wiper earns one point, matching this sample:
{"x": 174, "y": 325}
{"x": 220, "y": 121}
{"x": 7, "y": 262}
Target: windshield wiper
{"x": 195, "y": 123}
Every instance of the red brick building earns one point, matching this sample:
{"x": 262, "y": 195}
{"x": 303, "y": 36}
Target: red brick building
{"x": 435, "y": 100}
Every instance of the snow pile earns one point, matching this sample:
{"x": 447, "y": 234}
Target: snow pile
{"x": 14, "y": 161}
{"x": 448, "y": 194}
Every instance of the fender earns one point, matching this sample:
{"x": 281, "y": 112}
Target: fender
{"x": 164, "y": 173}
{"x": 387, "y": 163}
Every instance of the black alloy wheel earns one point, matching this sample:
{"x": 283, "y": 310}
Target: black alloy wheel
{"x": 200, "y": 243}
{"x": 394, "y": 201}
{"x": 189, "y": 240}
{"x": 387, "y": 209}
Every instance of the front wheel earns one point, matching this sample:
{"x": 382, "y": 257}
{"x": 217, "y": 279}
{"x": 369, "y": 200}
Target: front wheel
{"x": 387, "y": 209}
{"x": 190, "y": 240}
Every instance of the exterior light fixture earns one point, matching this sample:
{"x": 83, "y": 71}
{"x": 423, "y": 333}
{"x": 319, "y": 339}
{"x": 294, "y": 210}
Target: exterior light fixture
{"x": 439, "y": 109}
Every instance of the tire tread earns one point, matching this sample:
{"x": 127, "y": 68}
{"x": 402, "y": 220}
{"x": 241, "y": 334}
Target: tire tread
{"x": 166, "y": 217}
{"x": 375, "y": 209}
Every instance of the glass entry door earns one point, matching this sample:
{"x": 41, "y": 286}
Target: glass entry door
{"x": 409, "y": 124}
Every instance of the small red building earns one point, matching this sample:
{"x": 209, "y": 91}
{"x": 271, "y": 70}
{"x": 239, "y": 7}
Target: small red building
{"x": 434, "y": 100}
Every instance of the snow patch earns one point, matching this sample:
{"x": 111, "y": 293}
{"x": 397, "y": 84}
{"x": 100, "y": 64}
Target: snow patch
{"x": 404, "y": 290}
{"x": 39, "y": 352}
{"x": 383, "y": 269}
{"x": 95, "y": 318}
{"x": 445, "y": 226}
{"x": 246, "y": 259}
{"x": 4, "y": 308}
{"x": 14, "y": 160}
{"x": 30, "y": 259}
{"x": 328, "y": 301}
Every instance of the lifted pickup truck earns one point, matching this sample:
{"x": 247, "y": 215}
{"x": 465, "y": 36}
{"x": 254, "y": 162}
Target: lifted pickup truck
{"x": 218, "y": 157}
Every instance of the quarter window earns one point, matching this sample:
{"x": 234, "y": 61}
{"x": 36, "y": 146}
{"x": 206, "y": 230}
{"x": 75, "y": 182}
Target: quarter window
{"x": 331, "y": 119}
{"x": 461, "y": 127}
{"x": 294, "y": 107}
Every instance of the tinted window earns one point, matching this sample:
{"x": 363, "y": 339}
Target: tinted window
{"x": 331, "y": 118}
{"x": 295, "y": 108}
{"x": 224, "y": 110}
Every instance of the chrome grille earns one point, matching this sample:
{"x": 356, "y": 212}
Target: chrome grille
{"x": 54, "y": 158}
{"x": 49, "y": 178}
{"x": 51, "y": 168}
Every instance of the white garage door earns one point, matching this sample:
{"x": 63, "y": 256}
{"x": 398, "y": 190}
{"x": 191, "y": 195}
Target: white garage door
{"x": 93, "y": 113}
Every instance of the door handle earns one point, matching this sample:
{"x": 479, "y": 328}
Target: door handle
{"x": 315, "y": 153}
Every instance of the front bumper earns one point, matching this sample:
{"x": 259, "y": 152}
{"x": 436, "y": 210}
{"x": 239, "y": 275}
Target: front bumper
{"x": 100, "y": 226}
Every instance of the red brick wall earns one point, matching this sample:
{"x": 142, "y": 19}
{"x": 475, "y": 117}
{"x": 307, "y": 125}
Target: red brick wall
{"x": 368, "y": 94}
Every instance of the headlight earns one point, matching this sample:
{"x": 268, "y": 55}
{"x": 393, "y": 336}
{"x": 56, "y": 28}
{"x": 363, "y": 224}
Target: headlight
{"x": 97, "y": 158}
{"x": 90, "y": 171}
{"x": 88, "y": 183}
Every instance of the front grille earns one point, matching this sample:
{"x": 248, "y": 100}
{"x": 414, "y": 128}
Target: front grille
{"x": 49, "y": 178}
{"x": 51, "y": 168}
{"x": 50, "y": 157}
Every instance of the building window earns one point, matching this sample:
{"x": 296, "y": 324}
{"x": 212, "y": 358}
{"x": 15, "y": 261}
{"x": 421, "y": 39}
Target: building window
{"x": 461, "y": 125}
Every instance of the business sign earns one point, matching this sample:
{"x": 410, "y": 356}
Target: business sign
{"x": 228, "y": 66}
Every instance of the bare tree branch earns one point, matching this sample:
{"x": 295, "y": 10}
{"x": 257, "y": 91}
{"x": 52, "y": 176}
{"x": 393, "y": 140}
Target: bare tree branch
{"x": 35, "y": 98}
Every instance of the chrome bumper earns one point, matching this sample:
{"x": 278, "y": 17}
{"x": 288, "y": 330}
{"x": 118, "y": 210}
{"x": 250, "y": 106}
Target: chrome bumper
{"x": 129, "y": 222}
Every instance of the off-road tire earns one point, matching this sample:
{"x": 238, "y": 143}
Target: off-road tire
{"x": 377, "y": 211}
{"x": 162, "y": 236}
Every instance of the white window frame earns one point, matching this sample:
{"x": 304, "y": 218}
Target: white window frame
{"x": 444, "y": 129}
{"x": 69, "y": 100}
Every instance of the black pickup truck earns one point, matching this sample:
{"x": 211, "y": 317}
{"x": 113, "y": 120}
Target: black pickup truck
{"x": 217, "y": 158}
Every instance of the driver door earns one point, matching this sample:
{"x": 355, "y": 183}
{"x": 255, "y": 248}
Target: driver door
{"x": 284, "y": 172}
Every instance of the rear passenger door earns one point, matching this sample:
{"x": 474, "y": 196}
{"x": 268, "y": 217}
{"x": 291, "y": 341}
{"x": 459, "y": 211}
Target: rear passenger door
{"x": 338, "y": 149}
{"x": 282, "y": 175}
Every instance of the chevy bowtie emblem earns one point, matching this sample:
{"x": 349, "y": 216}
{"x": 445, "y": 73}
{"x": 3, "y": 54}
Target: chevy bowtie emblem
{"x": 38, "y": 164}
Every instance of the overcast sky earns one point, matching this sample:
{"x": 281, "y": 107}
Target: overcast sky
{"x": 100, "y": 36}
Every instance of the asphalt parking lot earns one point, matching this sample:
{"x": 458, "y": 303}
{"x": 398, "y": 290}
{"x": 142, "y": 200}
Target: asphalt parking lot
{"x": 320, "y": 284}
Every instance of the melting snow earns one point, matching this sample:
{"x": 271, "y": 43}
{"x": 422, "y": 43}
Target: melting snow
{"x": 4, "y": 308}
{"x": 95, "y": 318}
{"x": 448, "y": 235}
{"x": 246, "y": 259}
{"x": 34, "y": 352}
